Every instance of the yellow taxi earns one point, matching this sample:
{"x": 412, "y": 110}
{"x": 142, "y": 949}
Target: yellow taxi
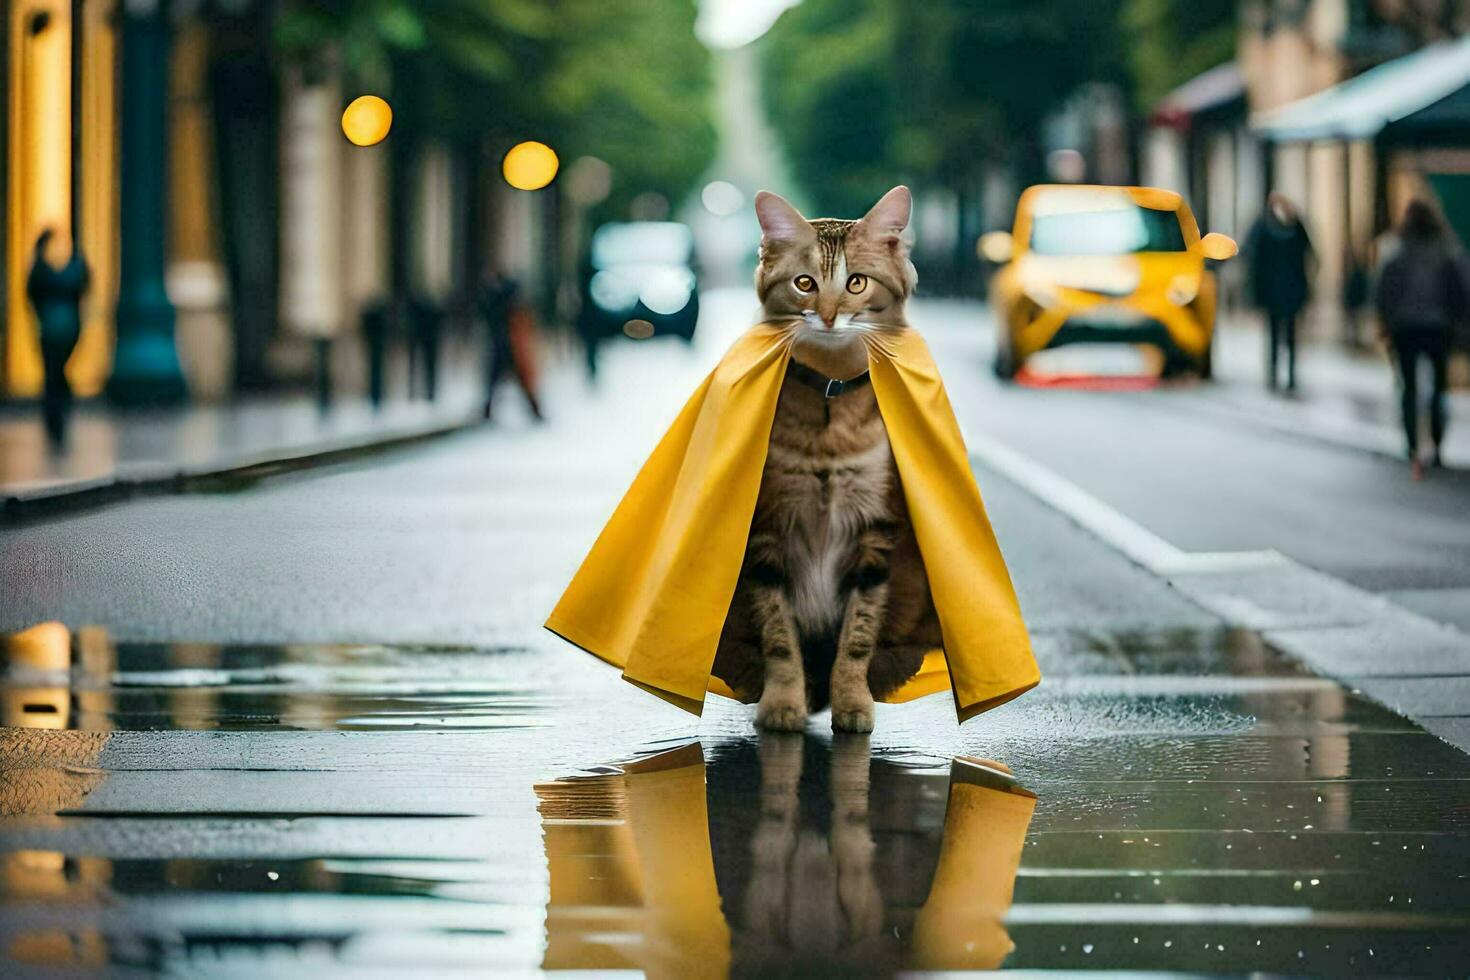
{"x": 1091, "y": 264}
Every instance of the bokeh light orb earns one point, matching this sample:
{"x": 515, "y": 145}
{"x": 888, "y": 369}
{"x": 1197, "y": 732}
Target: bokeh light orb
{"x": 721, "y": 198}
{"x": 587, "y": 181}
{"x": 366, "y": 120}
{"x": 529, "y": 166}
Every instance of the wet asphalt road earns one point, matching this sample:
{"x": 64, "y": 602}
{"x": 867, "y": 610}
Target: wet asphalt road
{"x": 1208, "y": 479}
{"x": 317, "y": 726}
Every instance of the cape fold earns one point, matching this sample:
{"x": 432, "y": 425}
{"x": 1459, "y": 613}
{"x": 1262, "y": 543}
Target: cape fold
{"x": 653, "y": 593}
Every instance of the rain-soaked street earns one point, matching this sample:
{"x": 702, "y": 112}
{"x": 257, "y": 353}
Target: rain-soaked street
{"x": 314, "y": 724}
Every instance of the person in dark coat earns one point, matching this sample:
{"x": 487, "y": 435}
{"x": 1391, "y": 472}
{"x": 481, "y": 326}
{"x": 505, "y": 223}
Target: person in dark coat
{"x": 1279, "y": 252}
{"x": 1421, "y": 297}
{"x": 507, "y": 350}
{"x": 56, "y": 294}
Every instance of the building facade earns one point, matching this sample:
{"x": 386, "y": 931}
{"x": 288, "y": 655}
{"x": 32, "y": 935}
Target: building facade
{"x": 226, "y": 221}
{"x": 60, "y": 167}
{"x": 1350, "y": 189}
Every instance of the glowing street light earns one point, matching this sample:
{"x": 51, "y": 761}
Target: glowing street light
{"x": 367, "y": 120}
{"x": 529, "y": 166}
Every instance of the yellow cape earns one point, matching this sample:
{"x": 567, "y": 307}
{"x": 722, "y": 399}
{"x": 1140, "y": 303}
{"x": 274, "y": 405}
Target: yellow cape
{"x": 652, "y": 595}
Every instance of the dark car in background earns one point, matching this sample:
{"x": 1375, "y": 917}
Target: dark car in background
{"x": 640, "y": 281}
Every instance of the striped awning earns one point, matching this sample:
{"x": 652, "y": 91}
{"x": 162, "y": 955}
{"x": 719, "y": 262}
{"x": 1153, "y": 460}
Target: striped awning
{"x": 1207, "y": 92}
{"x": 1364, "y": 105}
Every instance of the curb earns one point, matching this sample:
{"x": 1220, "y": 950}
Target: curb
{"x": 163, "y": 478}
{"x": 1412, "y": 665}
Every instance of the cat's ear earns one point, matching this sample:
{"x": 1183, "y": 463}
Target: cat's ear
{"x": 779, "y": 220}
{"x": 890, "y": 216}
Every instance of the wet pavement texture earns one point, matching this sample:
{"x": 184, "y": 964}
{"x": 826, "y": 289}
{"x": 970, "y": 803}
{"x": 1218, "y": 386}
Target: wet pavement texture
{"x": 1183, "y": 799}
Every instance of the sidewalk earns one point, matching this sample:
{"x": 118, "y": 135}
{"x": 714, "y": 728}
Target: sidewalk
{"x": 109, "y": 449}
{"x": 1344, "y": 397}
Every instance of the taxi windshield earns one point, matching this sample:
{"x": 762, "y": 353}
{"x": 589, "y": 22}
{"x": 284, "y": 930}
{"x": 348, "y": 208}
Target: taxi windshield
{"x": 1112, "y": 231}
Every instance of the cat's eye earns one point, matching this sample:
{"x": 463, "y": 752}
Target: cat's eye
{"x": 857, "y": 282}
{"x": 804, "y": 283}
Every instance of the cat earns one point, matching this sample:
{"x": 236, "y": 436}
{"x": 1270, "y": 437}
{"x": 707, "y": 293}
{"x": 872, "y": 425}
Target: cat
{"x": 832, "y": 604}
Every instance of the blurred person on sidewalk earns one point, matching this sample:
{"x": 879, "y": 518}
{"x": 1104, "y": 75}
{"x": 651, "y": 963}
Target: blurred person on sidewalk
{"x": 589, "y": 326}
{"x": 56, "y": 292}
{"x": 1421, "y": 297}
{"x": 510, "y": 341}
{"x": 1279, "y": 252}
{"x": 1357, "y": 291}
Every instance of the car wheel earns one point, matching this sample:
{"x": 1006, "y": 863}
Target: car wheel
{"x": 1207, "y": 362}
{"x": 1004, "y": 364}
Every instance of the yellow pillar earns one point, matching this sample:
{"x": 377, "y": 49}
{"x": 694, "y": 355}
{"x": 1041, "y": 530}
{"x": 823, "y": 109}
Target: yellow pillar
{"x": 195, "y": 274}
{"x": 98, "y": 225}
{"x": 39, "y": 170}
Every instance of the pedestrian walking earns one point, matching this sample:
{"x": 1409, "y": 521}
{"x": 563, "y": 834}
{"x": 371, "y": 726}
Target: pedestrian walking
{"x": 1356, "y": 294}
{"x": 590, "y": 323}
{"x": 56, "y": 294}
{"x": 510, "y": 340}
{"x": 1279, "y": 252}
{"x": 1421, "y": 297}
{"x": 426, "y": 323}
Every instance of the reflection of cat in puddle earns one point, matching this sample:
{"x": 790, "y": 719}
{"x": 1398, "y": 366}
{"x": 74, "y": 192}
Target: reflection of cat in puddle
{"x": 812, "y": 892}
{"x": 856, "y": 866}
{"x": 792, "y": 857}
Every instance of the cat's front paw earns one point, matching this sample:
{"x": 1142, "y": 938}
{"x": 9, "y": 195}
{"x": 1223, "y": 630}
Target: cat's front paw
{"x": 856, "y": 719}
{"x": 780, "y": 716}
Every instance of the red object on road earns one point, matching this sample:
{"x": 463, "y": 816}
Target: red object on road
{"x": 521, "y": 328}
{"x": 1088, "y": 382}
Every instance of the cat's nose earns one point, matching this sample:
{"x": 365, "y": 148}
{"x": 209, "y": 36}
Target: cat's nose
{"x": 829, "y": 319}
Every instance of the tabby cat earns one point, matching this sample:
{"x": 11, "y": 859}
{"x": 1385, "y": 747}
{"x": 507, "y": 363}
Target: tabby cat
{"x": 832, "y": 604}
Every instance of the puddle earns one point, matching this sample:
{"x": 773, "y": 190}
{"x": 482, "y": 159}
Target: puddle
{"x": 87, "y": 681}
{"x": 792, "y": 856}
{"x": 1184, "y": 801}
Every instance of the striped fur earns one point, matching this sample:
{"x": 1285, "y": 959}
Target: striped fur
{"x": 831, "y": 244}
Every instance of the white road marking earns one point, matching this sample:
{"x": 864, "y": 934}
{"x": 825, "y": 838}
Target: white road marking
{"x": 1173, "y": 685}
{"x": 1112, "y": 526}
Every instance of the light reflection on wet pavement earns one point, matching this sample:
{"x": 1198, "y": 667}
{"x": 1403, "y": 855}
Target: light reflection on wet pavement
{"x": 1182, "y": 800}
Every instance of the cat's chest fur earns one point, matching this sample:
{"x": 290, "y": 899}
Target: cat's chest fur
{"x": 828, "y": 475}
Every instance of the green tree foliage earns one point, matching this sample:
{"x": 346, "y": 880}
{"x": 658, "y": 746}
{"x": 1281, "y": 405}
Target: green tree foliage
{"x": 828, "y": 81}
{"x": 624, "y": 80}
{"x": 864, "y": 92}
{"x": 485, "y": 39}
{"x": 630, "y": 83}
{"x": 1171, "y": 41}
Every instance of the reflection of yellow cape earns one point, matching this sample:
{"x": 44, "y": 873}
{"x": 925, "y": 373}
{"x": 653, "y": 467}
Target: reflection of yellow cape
{"x": 632, "y": 878}
{"x": 652, "y": 595}
{"x": 985, "y": 823}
